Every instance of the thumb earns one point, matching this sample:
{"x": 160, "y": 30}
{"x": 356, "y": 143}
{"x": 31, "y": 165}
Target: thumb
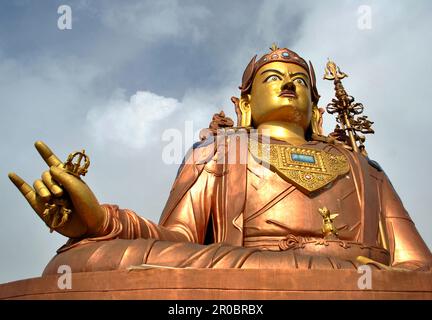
{"x": 66, "y": 179}
{"x": 85, "y": 204}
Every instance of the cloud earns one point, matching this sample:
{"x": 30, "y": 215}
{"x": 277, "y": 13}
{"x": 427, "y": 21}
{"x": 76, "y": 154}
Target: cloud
{"x": 39, "y": 99}
{"x": 138, "y": 123}
{"x": 153, "y": 20}
{"x": 130, "y": 122}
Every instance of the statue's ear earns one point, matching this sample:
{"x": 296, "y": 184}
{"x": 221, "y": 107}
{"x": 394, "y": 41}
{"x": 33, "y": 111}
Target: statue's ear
{"x": 317, "y": 120}
{"x": 245, "y": 109}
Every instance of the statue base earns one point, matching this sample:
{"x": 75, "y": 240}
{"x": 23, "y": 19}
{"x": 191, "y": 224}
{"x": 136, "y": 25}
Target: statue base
{"x": 238, "y": 284}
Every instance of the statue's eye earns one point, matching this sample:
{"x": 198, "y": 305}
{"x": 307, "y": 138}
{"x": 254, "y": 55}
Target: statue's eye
{"x": 272, "y": 78}
{"x": 300, "y": 81}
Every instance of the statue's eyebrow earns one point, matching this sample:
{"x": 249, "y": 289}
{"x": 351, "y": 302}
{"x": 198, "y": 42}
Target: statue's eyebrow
{"x": 299, "y": 74}
{"x": 273, "y": 70}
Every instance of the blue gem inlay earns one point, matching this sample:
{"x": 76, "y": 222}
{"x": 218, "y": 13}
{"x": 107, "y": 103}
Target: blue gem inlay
{"x": 302, "y": 158}
{"x": 285, "y": 54}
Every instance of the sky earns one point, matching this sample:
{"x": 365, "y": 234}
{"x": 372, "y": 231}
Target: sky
{"x": 128, "y": 71}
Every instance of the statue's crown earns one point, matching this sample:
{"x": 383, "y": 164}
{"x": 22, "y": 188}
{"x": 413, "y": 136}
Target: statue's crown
{"x": 277, "y": 54}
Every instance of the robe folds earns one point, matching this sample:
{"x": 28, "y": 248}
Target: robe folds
{"x": 227, "y": 209}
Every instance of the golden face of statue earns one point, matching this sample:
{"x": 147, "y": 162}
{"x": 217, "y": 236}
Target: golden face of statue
{"x": 281, "y": 92}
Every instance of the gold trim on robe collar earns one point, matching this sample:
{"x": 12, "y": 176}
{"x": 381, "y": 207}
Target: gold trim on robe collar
{"x": 308, "y": 169}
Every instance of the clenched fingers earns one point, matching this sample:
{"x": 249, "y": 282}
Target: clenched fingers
{"x": 42, "y": 190}
{"x": 53, "y": 186}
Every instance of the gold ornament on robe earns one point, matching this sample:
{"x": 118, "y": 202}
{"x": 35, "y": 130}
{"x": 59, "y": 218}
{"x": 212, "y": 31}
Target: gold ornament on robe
{"x": 308, "y": 169}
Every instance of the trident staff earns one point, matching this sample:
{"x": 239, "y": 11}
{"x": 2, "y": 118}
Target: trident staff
{"x": 348, "y": 124}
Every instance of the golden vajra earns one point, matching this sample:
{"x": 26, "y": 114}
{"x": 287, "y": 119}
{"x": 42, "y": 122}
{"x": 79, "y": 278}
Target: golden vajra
{"x": 350, "y": 123}
{"x": 57, "y": 211}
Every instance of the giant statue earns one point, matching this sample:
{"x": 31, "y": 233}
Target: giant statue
{"x": 271, "y": 192}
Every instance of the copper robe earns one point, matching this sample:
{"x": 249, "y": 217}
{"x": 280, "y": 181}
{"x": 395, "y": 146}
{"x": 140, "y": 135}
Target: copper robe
{"x": 241, "y": 214}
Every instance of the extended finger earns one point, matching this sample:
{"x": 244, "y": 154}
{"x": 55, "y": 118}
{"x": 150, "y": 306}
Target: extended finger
{"x": 49, "y": 157}
{"x": 55, "y": 189}
{"x": 42, "y": 190}
{"x": 25, "y": 189}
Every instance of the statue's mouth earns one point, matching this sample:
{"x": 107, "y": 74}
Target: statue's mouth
{"x": 288, "y": 94}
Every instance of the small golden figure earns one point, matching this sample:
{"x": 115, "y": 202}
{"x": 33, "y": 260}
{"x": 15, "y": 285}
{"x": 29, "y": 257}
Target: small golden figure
{"x": 328, "y": 229}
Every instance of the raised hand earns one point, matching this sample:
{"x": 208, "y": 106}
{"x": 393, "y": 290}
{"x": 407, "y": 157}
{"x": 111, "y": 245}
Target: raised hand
{"x": 56, "y": 185}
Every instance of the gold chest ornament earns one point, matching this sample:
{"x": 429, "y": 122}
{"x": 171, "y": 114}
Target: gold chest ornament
{"x": 308, "y": 169}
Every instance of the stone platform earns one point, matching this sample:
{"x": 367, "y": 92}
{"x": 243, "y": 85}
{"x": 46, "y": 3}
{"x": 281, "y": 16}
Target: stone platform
{"x": 224, "y": 284}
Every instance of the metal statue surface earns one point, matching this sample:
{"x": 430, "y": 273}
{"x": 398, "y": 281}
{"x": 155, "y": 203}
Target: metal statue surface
{"x": 271, "y": 192}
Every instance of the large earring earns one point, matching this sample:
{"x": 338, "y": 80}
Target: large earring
{"x": 317, "y": 120}
{"x": 245, "y": 109}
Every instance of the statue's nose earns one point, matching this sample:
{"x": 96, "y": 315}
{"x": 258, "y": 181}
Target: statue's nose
{"x": 288, "y": 85}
